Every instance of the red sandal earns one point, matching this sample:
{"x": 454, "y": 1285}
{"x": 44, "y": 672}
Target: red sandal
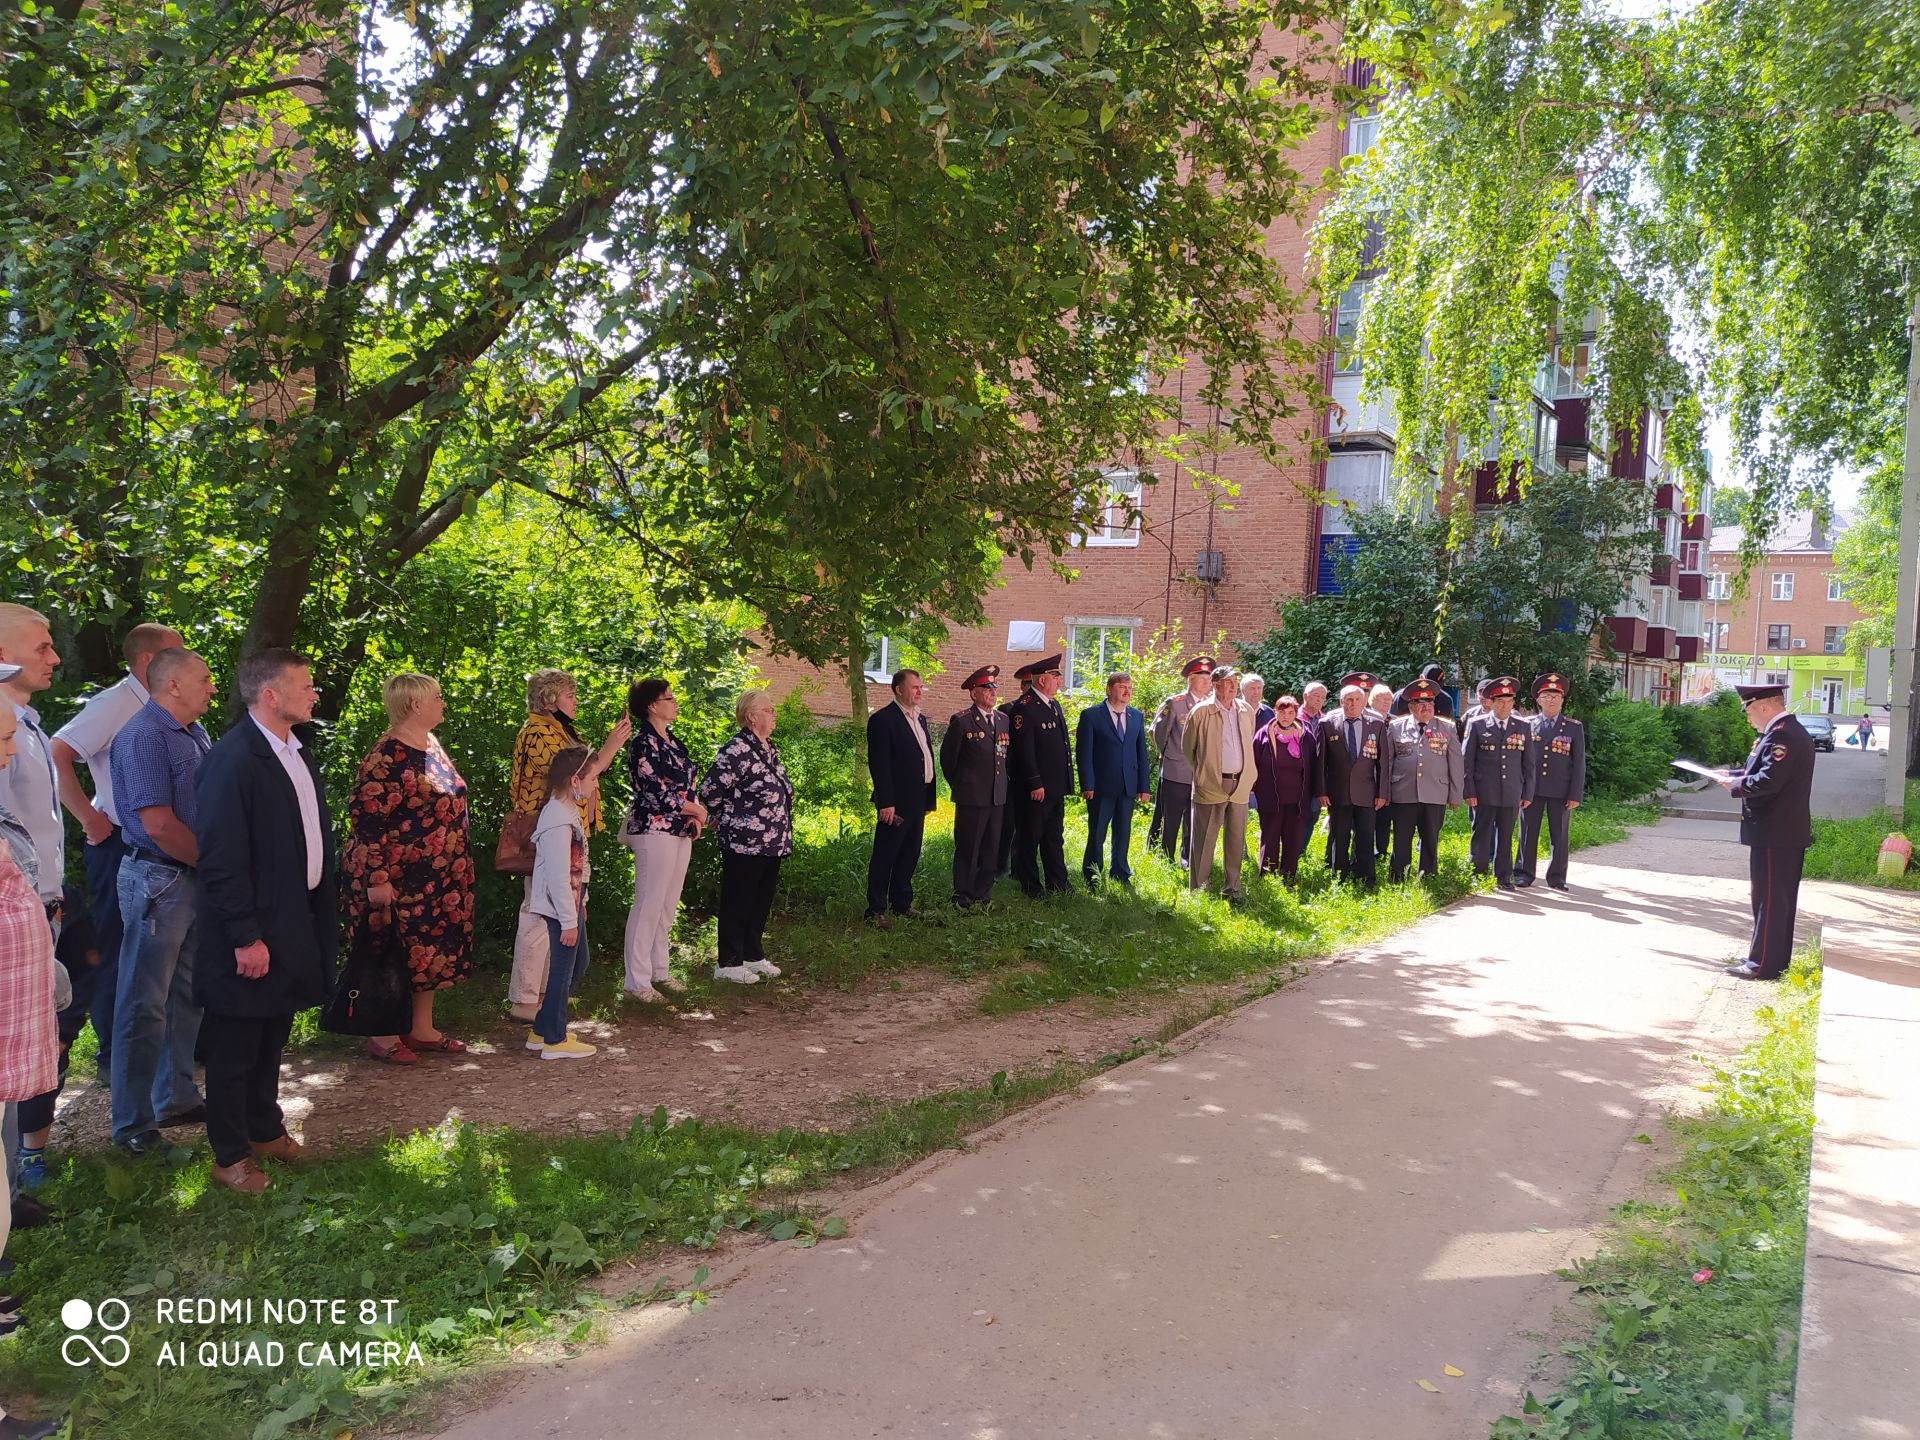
{"x": 446, "y": 1044}
{"x": 395, "y": 1054}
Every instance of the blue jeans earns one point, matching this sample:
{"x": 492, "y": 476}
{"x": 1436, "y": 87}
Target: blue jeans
{"x": 564, "y": 970}
{"x": 155, "y": 1021}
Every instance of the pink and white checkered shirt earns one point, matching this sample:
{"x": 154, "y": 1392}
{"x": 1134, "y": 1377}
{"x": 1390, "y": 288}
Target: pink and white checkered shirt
{"x": 29, "y": 1037}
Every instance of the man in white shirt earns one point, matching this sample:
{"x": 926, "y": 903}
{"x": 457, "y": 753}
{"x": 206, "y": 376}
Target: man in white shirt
{"x": 87, "y": 739}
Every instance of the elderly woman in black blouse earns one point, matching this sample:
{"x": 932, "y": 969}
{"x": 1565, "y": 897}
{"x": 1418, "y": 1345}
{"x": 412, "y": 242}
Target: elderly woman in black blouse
{"x": 751, "y": 801}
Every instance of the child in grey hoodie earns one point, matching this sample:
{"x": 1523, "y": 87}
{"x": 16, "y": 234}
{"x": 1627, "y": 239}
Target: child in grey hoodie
{"x": 559, "y": 895}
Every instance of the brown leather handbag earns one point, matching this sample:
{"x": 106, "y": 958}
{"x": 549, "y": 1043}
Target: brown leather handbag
{"x": 513, "y": 854}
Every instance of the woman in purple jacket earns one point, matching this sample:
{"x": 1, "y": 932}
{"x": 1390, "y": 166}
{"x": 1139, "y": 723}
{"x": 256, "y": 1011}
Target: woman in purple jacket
{"x": 1285, "y": 754}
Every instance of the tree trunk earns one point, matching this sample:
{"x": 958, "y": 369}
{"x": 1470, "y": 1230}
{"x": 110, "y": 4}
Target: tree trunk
{"x": 1903, "y": 733}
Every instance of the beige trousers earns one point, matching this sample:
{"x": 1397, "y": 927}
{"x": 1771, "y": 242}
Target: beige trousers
{"x": 659, "y": 870}
{"x": 1206, "y": 825}
{"x": 529, "y": 979}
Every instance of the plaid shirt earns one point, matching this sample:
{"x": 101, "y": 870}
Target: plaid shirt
{"x": 29, "y": 1037}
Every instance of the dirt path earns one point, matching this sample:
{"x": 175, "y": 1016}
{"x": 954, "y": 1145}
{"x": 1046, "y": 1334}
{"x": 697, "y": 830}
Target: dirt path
{"x": 1331, "y": 1196}
{"x": 782, "y": 1055}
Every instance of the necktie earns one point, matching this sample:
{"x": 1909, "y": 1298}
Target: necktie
{"x": 1353, "y": 743}
{"x": 1120, "y": 723}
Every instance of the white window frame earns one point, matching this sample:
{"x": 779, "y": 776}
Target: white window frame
{"x": 887, "y": 652}
{"x": 1363, "y": 130}
{"x": 1833, "y": 639}
{"x": 1786, "y": 638}
{"x": 1117, "y": 527}
{"x": 1690, "y": 556}
{"x": 1662, "y": 616}
{"x": 1107, "y": 628}
{"x": 1346, "y": 328}
{"x": 1720, "y": 631}
{"x": 1776, "y": 677}
{"x": 1782, "y": 584}
{"x": 1364, "y": 476}
{"x": 1836, "y": 588}
{"x": 1719, "y": 586}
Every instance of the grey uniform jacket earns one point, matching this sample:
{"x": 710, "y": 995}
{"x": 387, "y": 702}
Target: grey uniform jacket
{"x": 1169, "y": 730}
{"x": 1498, "y": 768}
{"x": 973, "y": 757}
{"x": 1559, "y": 758}
{"x": 1426, "y": 764}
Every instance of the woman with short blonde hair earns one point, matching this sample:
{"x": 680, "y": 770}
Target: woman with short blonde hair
{"x": 403, "y": 691}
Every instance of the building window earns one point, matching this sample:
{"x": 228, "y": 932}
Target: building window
{"x": 1120, "y": 516}
{"x": 1783, "y": 585}
{"x": 1834, "y": 641}
{"x": 1835, "y": 590}
{"x": 1719, "y": 586}
{"x": 1660, "y": 612}
{"x": 1779, "y": 637}
{"x": 1690, "y": 556}
{"x": 1095, "y": 650}
{"x": 1570, "y": 371}
{"x": 1776, "y": 677}
{"x": 1362, "y": 131}
{"x": 1346, "y": 328}
{"x": 883, "y": 658}
{"x": 1354, "y": 477}
{"x": 1546, "y": 435}
{"x": 1718, "y": 635}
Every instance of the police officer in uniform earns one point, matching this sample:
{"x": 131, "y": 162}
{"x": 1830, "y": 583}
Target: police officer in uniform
{"x": 1559, "y": 767}
{"x": 1499, "y": 781}
{"x": 1010, "y": 817}
{"x": 1425, "y": 776}
{"x": 1775, "y": 791}
{"x": 973, "y": 757}
{"x": 1040, "y": 777}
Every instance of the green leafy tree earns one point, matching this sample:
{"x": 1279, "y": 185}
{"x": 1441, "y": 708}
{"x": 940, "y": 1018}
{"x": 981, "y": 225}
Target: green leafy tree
{"x": 826, "y": 307}
{"x": 1866, "y": 557}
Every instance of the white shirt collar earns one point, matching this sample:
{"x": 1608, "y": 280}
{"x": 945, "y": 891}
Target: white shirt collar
{"x": 140, "y": 691}
{"x": 290, "y": 746}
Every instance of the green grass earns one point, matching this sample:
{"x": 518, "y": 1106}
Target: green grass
{"x": 1672, "y": 1358}
{"x": 490, "y": 1239}
{"x": 1849, "y": 850}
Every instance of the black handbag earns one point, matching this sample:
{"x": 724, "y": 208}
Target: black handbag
{"x": 374, "y": 993}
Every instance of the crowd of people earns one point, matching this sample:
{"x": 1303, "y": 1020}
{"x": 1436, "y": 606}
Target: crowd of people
{"x": 1384, "y": 767}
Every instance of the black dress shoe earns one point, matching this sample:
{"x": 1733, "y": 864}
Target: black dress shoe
{"x": 147, "y": 1142}
{"x": 1505, "y": 885}
{"x": 1521, "y": 882}
{"x": 195, "y": 1116}
{"x": 1742, "y": 970}
{"x": 1559, "y": 885}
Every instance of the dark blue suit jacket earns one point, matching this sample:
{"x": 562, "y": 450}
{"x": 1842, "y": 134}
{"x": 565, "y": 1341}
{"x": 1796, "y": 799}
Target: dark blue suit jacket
{"x": 1110, "y": 765}
{"x": 896, "y": 764}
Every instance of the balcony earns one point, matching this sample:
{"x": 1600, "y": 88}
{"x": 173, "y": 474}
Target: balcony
{"x": 1692, "y": 585}
{"x": 1572, "y": 414}
{"x": 1629, "y": 633}
{"x": 1662, "y": 643}
{"x": 1666, "y": 498}
{"x": 1354, "y": 420}
{"x": 1629, "y": 459}
{"x": 1696, "y": 527}
{"x": 1690, "y": 647}
{"x": 1662, "y": 573}
{"x": 1490, "y": 489}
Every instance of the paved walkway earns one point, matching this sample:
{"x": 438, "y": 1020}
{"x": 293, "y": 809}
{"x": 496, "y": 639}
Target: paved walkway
{"x": 1331, "y": 1196}
{"x": 1845, "y": 784}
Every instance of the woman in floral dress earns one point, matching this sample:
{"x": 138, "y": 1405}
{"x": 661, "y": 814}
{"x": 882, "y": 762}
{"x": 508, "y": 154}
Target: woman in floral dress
{"x": 750, "y": 800}
{"x": 408, "y": 864}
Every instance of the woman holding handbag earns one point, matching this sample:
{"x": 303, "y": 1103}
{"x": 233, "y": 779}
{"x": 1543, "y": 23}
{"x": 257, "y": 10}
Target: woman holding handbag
{"x": 409, "y": 865}
{"x": 552, "y": 698}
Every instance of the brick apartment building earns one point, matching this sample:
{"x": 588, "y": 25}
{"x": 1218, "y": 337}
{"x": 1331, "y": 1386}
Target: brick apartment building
{"x": 1789, "y": 627}
{"x": 1218, "y": 565}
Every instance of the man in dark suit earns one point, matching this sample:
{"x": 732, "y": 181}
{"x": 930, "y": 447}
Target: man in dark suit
{"x": 1775, "y": 791}
{"x": 1111, "y": 749}
{"x": 1353, "y": 785}
{"x": 1559, "y": 765}
{"x": 1010, "y": 817}
{"x": 1499, "y": 779}
{"x": 973, "y": 757}
{"x": 1040, "y": 771}
{"x": 900, "y": 760}
{"x": 1434, "y": 676}
{"x": 267, "y": 925}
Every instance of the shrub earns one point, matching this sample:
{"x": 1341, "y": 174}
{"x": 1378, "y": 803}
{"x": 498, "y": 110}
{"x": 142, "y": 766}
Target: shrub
{"x": 1712, "y": 731}
{"x": 1630, "y": 748}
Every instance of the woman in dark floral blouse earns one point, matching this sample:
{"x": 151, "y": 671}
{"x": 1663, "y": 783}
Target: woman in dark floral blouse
{"x": 408, "y": 866}
{"x": 751, "y": 801}
{"x": 662, "y": 824}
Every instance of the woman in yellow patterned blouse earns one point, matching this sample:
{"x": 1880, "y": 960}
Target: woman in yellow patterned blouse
{"x": 551, "y": 698}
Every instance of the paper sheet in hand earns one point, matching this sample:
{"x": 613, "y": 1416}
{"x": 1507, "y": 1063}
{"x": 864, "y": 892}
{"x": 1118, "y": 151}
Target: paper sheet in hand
{"x": 1693, "y": 769}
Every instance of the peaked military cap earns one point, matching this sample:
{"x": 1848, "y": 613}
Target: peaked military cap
{"x": 1199, "y": 665}
{"x": 1025, "y": 672}
{"x": 1749, "y": 693}
{"x": 1365, "y": 679}
{"x": 1502, "y": 687}
{"x": 1048, "y": 666}
{"x": 985, "y": 675}
{"x": 1549, "y": 681}
{"x": 1422, "y": 690}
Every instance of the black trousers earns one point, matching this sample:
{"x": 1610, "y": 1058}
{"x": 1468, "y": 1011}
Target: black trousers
{"x": 896, "y": 851}
{"x": 1411, "y": 818}
{"x": 1774, "y": 871}
{"x": 1526, "y": 863}
{"x": 1493, "y": 827}
{"x": 1173, "y": 807}
{"x": 1009, "y": 831}
{"x": 1383, "y": 830}
{"x": 1350, "y": 835}
{"x": 243, "y": 1082}
{"x": 102, "y": 863}
{"x": 1042, "y": 843}
{"x": 1312, "y": 807}
{"x": 976, "y": 852}
{"x": 747, "y": 883}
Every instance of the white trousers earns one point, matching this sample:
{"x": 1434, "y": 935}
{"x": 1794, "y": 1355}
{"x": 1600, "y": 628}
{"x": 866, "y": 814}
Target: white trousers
{"x": 659, "y": 870}
{"x": 529, "y": 981}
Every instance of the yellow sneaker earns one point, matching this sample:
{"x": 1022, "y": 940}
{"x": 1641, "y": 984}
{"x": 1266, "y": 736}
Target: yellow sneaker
{"x": 534, "y": 1042}
{"x": 567, "y": 1049}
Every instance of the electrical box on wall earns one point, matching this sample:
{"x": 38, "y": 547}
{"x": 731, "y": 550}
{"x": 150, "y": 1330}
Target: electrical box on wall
{"x": 1210, "y": 566}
